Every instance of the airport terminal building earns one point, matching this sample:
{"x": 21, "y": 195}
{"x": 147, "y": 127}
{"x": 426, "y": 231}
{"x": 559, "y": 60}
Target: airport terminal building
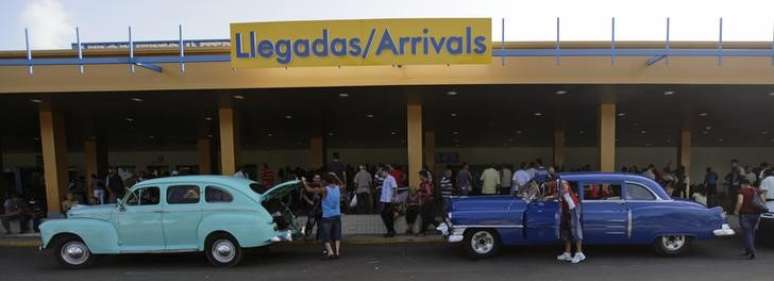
{"x": 415, "y": 92}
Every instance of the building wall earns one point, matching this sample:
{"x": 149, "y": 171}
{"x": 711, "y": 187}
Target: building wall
{"x": 716, "y": 157}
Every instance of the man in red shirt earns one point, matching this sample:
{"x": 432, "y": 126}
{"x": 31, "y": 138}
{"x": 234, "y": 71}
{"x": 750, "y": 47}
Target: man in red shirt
{"x": 267, "y": 176}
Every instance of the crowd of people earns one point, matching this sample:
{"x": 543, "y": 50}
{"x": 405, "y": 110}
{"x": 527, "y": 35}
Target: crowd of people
{"x": 383, "y": 189}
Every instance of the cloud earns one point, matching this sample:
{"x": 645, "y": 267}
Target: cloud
{"x": 50, "y": 26}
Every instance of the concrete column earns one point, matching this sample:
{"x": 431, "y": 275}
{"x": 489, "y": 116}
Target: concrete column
{"x": 414, "y": 140}
{"x": 204, "y": 147}
{"x": 316, "y": 152}
{"x": 229, "y": 136}
{"x": 684, "y": 155}
{"x": 607, "y": 137}
{"x": 429, "y": 151}
{"x": 54, "y": 149}
{"x": 559, "y": 148}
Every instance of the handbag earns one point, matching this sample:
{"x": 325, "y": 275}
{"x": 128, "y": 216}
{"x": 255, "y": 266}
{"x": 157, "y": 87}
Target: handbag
{"x": 353, "y": 202}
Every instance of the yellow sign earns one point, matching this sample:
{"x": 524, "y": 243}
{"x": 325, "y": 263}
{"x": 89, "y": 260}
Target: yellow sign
{"x": 361, "y": 42}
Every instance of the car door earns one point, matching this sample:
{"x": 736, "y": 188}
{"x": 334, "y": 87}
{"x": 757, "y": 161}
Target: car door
{"x": 646, "y": 216}
{"x": 542, "y": 221}
{"x": 182, "y": 214}
{"x": 605, "y": 216}
{"x": 139, "y": 221}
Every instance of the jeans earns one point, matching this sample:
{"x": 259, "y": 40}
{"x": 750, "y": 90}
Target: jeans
{"x": 428, "y": 216}
{"x": 749, "y": 225}
{"x": 388, "y": 218}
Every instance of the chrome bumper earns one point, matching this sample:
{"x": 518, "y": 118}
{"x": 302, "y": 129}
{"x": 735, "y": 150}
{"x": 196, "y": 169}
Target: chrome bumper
{"x": 724, "y": 230}
{"x": 283, "y": 236}
{"x": 450, "y": 233}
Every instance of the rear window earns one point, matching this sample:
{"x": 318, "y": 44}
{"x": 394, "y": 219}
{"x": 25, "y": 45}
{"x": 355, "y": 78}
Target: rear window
{"x": 258, "y": 188}
{"x": 214, "y": 194}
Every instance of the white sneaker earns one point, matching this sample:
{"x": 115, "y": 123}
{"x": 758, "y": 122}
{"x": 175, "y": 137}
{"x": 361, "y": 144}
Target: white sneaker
{"x": 579, "y": 257}
{"x": 564, "y": 257}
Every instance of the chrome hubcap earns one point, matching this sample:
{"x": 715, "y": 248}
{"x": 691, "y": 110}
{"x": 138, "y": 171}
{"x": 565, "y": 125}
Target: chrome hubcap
{"x": 482, "y": 242}
{"x": 673, "y": 242}
{"x": 75, "y": 253}
{"x": 223, "y": 251}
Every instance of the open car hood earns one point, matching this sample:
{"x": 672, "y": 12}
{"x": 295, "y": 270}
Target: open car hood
{"x": 280, "y": 190}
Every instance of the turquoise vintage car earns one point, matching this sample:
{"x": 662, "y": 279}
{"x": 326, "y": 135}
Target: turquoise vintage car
{"x": 217, "y": 215}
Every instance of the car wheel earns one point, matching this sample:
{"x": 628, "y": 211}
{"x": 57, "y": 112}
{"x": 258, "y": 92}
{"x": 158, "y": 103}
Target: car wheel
{"x": 72, "y": 253}
{"x": 222, "y": 250}
{"x": 672, "y": 245}
{"x": 481, "y": 243}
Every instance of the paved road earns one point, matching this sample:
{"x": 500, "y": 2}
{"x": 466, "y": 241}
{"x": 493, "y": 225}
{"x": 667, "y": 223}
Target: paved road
{"x": 709, "y": 260}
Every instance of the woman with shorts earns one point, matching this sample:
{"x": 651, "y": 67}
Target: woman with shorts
{"x": 330, "y": 224}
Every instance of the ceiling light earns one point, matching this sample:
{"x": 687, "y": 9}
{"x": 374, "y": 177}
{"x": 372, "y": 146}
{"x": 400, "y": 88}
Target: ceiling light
{"x": 451, "y": 93}
{"x": 538, "y": 114}
{"x": 343, "y": 95}
{"x": 36, "y": 100}
{"x": 453, "y": 114}
{"x": 643, "y": 132}
{"x": 765, "y": 133}
{"x": 518, "y": 132}
{"x": 331, "y": 134}
{"x": 151, "y": 137}
{"x": 621, "y": 114}
{"x": 703, "y": 114}
{"x": 129, "y": 119}
{"x": 561, "y": 92}
{"x": 708, "y": 127}
{"x": 456, "y": 133}
{"x": 208, "y": 118}
{"x": 137, "y": 100}
{"x": 270, "y": 134}
{"x": 239, "y": 97}
{"x": 370, "y": 115}
{"x": 393, "y": 133}
{"x": 669, "y": 93}
{"x": 288, "y": 117}
{"x": 581, "y": 132}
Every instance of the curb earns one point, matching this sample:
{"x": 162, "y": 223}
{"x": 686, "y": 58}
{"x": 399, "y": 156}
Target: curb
{"x": 19, "y": 243}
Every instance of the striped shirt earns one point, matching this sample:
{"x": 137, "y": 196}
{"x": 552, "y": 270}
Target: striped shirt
{"x": 446, "y": 187}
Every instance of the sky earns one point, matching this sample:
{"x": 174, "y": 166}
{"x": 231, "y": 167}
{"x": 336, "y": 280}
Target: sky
{"x": 52, "y": 22}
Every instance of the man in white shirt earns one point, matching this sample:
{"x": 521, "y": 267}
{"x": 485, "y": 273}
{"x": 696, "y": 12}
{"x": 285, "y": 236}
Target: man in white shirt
{"x": 520, "y": 178}
{"x": 531, "y": 170}
{"x": 389, "y": 188}
{"x": 767, "y": 185}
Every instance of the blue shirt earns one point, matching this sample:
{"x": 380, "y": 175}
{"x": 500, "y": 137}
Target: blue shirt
{"x": 388, "y": 189}
{"x": 331, "y": 206}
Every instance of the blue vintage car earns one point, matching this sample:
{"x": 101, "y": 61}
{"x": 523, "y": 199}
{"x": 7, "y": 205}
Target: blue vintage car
{"x": 616, "y": 209}
{"x": 217, "y": 215}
